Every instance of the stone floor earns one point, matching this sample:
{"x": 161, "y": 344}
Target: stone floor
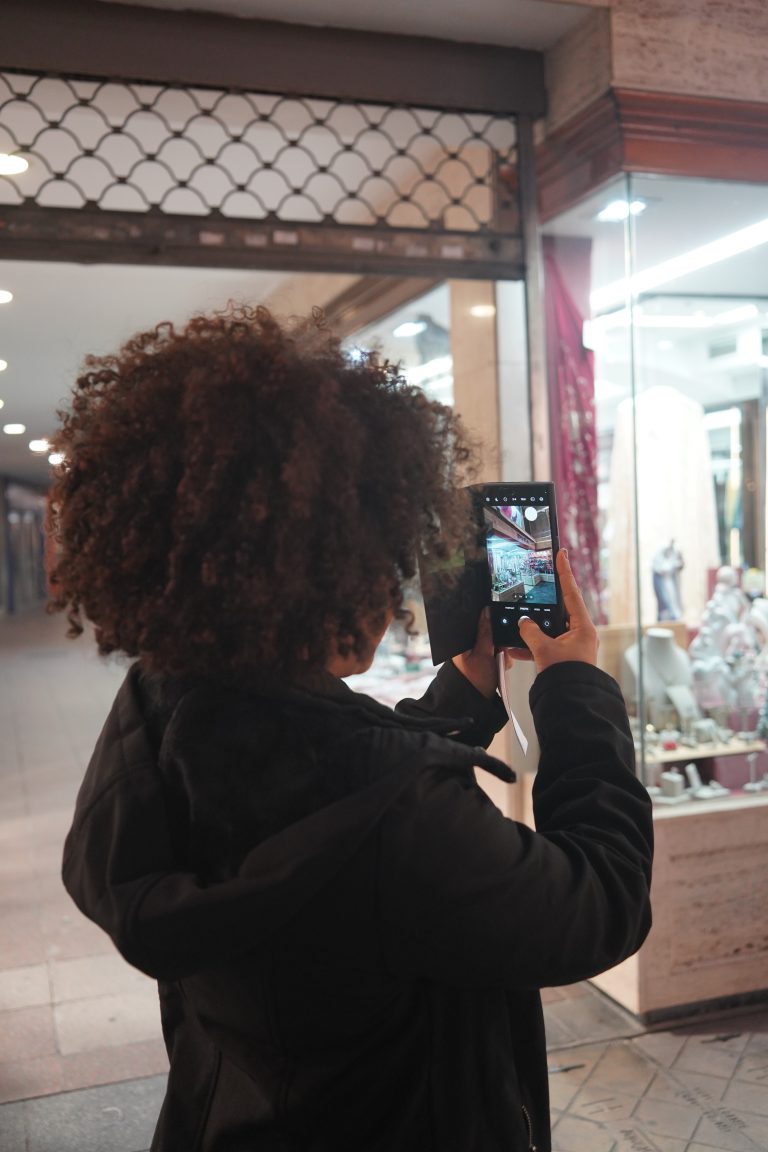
{"x": 81, "y": 1059}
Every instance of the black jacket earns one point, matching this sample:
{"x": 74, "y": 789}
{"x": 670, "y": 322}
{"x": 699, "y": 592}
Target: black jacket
{"x": 349, "y": 937}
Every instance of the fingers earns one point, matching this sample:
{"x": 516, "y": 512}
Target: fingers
{"x": 478, "y": 664}
{"x": 580, "y": 641}
{"x": 532, "y": 635}
{"x": 575, "y": 608}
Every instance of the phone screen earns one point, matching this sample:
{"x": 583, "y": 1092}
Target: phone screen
{"x": 520, "y": 536}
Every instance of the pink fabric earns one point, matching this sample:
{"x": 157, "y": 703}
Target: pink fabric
{"x": 573, "y": 431}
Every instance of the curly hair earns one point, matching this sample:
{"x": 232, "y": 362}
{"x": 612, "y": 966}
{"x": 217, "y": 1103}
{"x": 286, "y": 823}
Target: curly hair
{"x": 239, "y": 495}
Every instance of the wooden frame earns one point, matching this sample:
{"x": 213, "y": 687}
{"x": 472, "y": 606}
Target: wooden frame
{"x": 651, "y": 132}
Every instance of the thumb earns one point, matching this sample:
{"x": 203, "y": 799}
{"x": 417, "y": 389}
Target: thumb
{"x": 532, "y": 634}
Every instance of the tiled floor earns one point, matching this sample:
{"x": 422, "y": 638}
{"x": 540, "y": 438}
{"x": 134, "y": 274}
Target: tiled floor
{"x": 81, "y": 1060}
{"x": 693, "y": 1089}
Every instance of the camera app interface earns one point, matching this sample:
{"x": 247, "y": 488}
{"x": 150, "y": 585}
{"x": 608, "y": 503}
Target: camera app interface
{"x": 518, "y": 537}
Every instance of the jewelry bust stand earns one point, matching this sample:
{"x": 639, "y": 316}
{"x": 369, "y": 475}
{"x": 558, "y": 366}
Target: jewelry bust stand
{"x": 667, "y": 677}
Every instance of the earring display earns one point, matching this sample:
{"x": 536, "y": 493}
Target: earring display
{"x": 705, "y": 704}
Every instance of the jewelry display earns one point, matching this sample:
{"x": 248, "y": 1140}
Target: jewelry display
{"x": 666, "y": 680}
{"x": 701, "y": 791}
{"x": 702, "y": 702}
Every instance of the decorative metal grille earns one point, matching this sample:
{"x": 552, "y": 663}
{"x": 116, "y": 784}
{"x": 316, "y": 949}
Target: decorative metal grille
{"x": 137, "y": 148}
{"x": 149, "y": 173}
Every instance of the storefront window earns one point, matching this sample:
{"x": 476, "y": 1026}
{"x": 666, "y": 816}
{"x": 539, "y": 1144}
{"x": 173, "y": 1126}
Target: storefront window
{"x": 674, "y": 298}
{"x": 463, "y": 343}
{"x": 418, "y": 337}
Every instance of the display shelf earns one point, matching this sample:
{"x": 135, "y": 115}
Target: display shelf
{"x": 704, "y": 751}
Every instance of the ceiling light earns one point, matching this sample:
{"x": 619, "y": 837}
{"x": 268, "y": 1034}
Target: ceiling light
{"x": 14, "y": 429}
{"x": 12, "y": 165}
{"x": 409, "y": 328}
{"x": 619, "y": 210}
{"x": 703, "y": 257}
{"x": 56, "y": 458}
{"x": 3, "y": 365}
{"x": 39, "y": 446}
{"x": 5, "y": 297}
{"x": 482, "y": 310}
{"x": 2, "y": 402}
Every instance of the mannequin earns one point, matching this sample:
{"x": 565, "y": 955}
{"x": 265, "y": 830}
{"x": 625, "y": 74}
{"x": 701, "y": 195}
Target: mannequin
{"x": 667, "y": 676}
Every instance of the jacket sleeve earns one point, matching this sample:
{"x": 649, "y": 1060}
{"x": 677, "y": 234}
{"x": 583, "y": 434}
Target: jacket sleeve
{"x": 470, "y": 897}
{"x": 451, "y": 696}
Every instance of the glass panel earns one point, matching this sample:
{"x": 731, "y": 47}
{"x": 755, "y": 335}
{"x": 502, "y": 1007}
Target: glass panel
{"x": 463, "y": 343}
{"x": 700, "y": 314}
{"x": 677, "y": 331}
{"x": 591, "y": 386}
{"x": 417, "y": 336}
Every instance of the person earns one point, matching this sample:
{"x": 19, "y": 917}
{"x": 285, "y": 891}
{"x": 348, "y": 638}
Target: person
{"x": 348, "y": 936}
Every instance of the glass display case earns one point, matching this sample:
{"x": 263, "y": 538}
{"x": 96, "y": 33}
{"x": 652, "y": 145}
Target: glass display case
{"x": 656, "y": 291}
{"x": 665, "y": 284}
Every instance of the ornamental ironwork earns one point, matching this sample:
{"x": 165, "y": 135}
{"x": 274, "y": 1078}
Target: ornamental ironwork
{"x": 132, "y": 149}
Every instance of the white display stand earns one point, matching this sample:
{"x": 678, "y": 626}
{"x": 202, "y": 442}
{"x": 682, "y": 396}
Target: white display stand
{"x": 709, "y": 940}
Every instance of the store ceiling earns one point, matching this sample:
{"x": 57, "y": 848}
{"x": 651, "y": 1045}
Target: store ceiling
{"x": 62, "y": 312}
{"x": 535, "y": 24}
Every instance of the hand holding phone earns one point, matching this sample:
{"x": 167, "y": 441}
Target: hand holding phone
{"x": 510, "y": 568}
{"x": 580, "y": 642}
{"x": 479, "y": 664}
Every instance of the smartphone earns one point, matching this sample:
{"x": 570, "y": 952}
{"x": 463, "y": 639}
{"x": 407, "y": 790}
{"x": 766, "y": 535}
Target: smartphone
{"x": 511, "y": 567}
{"x": 519, "y": 532}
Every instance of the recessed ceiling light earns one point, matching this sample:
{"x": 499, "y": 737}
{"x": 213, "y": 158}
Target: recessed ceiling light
{"x": 12, "y": 165}
{"x": 5, "y": 297}
{"x": 14, "y": 429}
{"x": 409, "y": 328}
{"x": 56, "y": 458}
{"x": 39, "y": 446}
{"x": 3, "y": 365}
{"x": 481, "y": 311}
{"x": 619, "y": 210}
{"x": 2, "y": 402}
